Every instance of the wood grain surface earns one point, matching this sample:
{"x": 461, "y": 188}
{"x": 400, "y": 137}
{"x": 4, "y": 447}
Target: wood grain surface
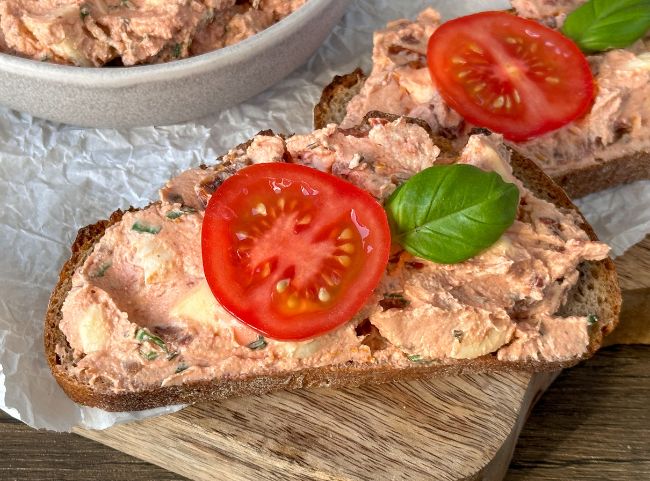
{"x": 592, "y": 424}
{"x": 445, "y": 429}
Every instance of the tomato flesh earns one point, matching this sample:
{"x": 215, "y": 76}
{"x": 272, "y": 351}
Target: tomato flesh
{"x": 509, "y": 74}
{"x": 291, "y": 251}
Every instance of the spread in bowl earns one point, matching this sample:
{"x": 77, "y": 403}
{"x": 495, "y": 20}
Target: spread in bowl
{"x": 128, "y": 32}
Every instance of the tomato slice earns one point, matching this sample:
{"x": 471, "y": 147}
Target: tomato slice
{"x": 291, "y": 251}
{"x": 509, "y": 74}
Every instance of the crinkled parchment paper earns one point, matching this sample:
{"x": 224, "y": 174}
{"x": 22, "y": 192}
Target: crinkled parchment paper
{"x": 55, "y": 179}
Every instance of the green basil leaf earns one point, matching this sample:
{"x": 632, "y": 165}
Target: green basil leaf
{"x": 449, "y": 213}
{"x": 604, "y": 24}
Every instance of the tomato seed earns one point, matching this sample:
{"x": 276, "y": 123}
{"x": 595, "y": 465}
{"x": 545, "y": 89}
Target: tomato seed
{"x": 344, "y": 260}
{"x": 345, "y": 234}
{"x": 475, "y": 48}
{"x": 266, "y": 270}
{"x": 347, "y": 248}
{"x": 306, "y": 219}
{"x": 259, "y": 209}
{"x": 292, "y": 302}
{"x": 323, "y": 295}
{"x": 282, "y": 285}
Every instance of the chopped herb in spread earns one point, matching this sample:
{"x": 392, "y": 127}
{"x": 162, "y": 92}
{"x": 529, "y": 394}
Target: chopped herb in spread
{"x": 84, "y": 12}
{"x": 458, "y": 335}
{"x": 143, "y": 335}
{"x": 149, "y": 356}
{"x": 102, "y": 270}
{"x": 172, "y": 355}
{"x": 393, "y": 300}
{"x": 415, "y": 358}
{"x": 592, "y": 319}
{"x": 144, "y": 228}
{"x": 176, "y": 52}
{"x": 259, "y": 343}
{"x": 181, "y": 367}
{"x": 175, "y": 214}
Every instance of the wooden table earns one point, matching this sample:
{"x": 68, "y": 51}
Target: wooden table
{"x": 592, "y": 424}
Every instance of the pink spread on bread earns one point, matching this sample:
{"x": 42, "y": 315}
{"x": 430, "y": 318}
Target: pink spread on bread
{"x": 140, "y": 314}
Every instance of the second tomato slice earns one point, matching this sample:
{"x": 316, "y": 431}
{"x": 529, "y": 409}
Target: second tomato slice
{"x": 509, "y": 74}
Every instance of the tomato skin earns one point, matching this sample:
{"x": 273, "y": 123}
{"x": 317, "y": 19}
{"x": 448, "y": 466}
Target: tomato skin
{"x": 512, "y": 75}
{"x": 291, "y": 251}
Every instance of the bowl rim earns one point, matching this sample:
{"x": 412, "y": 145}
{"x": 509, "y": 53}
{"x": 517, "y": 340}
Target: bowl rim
{"x": 112, "y": 77}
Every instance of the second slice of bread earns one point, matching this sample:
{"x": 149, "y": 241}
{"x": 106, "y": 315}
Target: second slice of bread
{"x": 577, "y": 183}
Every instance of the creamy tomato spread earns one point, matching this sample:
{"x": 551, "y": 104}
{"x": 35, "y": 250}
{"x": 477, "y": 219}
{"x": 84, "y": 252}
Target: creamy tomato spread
{"x": 94, "y": 32}
{"x": 617, "y": 125}
{"x": 140, "y": 313}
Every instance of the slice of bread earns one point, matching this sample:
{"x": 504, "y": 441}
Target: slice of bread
{"x": 577, "y": 183}
{"x": 596, "y": 293}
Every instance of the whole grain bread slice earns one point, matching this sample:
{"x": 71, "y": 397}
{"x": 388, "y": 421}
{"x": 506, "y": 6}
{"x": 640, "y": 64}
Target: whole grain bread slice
{"x": 596, "y": 293}
{"x": 579, "y": 182}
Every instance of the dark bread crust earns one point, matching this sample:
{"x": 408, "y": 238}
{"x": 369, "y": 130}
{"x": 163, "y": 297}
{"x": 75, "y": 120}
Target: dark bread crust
{"x": 597, "y": 292}
{"x": 601, "y": 176}
{"x": 577, "y": 183}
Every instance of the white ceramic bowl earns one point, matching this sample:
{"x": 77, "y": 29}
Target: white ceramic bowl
{"x": 171, "y": 92}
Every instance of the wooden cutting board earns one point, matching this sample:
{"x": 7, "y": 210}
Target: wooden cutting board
{"x": 454, "y": 428}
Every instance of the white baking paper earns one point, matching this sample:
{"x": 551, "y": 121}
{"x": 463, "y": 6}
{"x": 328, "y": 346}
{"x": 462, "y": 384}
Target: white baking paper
{"x": 55, "y": 179}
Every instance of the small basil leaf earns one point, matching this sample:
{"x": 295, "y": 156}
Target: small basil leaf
{"x": 449, "y": 213}
{"x": 604, "y": 24}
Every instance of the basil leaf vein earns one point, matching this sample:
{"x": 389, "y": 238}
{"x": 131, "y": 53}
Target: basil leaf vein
{"x": 605, "y": 24}
{"x": 449, "y": 213}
